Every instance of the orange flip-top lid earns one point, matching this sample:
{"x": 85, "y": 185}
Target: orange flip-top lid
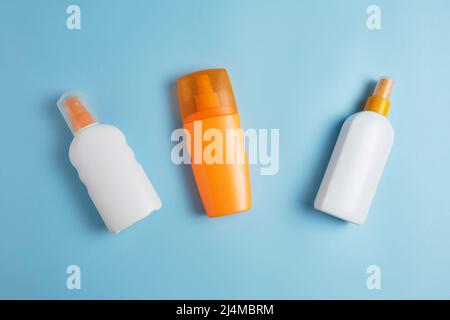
{"x": 204, "y": 94}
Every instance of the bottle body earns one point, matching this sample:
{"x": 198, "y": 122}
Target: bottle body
{"x": 116, "y": 182}
{"x": 219, "y": 162}
{"x": 224, "y": 185}
{"x": 355, "y": 167}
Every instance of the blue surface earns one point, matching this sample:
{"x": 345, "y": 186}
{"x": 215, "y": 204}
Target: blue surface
{"x": 300, "y": 66}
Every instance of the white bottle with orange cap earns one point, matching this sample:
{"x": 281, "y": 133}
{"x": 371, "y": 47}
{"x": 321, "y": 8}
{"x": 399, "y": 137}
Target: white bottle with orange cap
{"x": 358, "y": 159}
{"x": 116, "y": 182}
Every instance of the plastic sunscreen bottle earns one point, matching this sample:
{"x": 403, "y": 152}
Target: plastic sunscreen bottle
{"x": 218, "y": 158}
{"x": 116, "y": 182}
{"x": 358, "y": 159}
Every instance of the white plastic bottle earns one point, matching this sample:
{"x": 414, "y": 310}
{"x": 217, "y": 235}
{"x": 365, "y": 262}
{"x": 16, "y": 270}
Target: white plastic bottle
{"x": 116, "y": 182}
{"x": 358, "y": 159}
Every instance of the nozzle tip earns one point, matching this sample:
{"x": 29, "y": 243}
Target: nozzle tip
{"x": 384, "y": 88}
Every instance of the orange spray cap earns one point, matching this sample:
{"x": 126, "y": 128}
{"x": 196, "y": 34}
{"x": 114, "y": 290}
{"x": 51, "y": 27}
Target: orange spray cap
{"x": 205, "y": 94}
{"x": 379, "y": 101}
{"x": 74, "y": 111}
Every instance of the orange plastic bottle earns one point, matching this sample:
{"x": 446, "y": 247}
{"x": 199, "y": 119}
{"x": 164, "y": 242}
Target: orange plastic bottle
{"x": 210, "y": 116}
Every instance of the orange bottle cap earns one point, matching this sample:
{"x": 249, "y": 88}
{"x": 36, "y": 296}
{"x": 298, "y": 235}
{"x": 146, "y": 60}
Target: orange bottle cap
{"x": 74, "y": 111}
{"x": 205, "y": 94}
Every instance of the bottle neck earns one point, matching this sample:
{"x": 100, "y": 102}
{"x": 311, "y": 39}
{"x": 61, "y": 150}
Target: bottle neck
{"x": 378, "y": 105}
{"x": 379, "y": 101}
{"x": 84, "y": 128}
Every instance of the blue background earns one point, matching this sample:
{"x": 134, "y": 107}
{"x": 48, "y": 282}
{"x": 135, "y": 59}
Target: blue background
{"x": 299, "y": 66}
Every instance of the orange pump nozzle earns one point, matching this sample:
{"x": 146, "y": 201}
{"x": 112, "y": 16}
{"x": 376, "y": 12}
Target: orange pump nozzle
{"x": 206, "y": 97}
{"x": 74, "y": 112}
{"x": 384, "y": 88}
{"x": 379, "y": 101}
{"x": 205, "y": 94}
